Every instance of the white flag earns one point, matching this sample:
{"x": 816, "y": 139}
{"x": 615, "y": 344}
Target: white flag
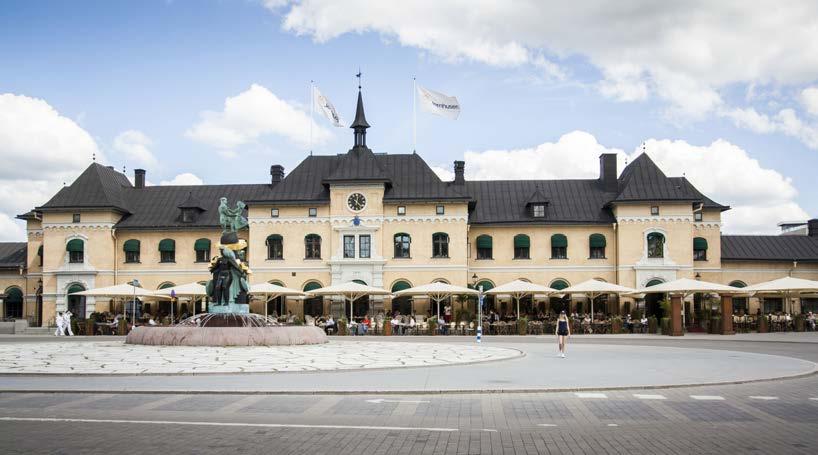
{"x": 438, "y": 103}
{"x": 324, "y": 106}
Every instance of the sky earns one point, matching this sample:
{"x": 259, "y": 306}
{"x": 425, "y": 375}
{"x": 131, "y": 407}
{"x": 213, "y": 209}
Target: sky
{"x": 216, "y": 91}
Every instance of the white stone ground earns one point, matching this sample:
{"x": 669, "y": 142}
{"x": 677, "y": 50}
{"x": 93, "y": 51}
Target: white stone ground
{"x": 117, "y": 358}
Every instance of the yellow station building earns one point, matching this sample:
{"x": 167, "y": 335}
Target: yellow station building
{"x": 389, "y": 221}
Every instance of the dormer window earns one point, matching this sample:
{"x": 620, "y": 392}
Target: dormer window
{"x": 75, "y": 218}
{"x": 188, "y": 215}
{"x": 654, "y": 210}
{"x": 440, "y": 210}
{"x": 538, "y": 210}
{"x": 313, "y": 212}
{"x": 697, "y": 216}
{"x": 273, "y": 213}
{"x": 401, "y": 210}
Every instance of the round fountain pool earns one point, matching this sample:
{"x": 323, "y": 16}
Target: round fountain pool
{"x": 227, "y": 329}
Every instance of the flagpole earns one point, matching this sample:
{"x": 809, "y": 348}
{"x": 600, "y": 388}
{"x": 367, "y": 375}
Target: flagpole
{"x": 312, "y": 108}
{"x": 414, "y": 116}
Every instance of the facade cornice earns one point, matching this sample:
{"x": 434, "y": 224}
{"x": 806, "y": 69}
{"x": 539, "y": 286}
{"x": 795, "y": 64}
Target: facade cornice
{"x": 336, "y": 220}
{"x": 545, "y": 268}
{"x": 71, "y": 226}
{"x": 655, "y": 219}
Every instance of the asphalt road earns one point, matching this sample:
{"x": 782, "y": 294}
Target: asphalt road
{"x": 765, "y": 417}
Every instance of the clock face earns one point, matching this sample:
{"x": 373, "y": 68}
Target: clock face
{"x": 356, "y": 202}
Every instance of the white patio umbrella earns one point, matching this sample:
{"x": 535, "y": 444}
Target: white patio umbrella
{"x": 786, "y": 286}
{"x": 437, "y": 291}
{"x": 594, "y": 288}
{"x": 121, "y": 290}
{"x": 351, "y": 291}
{"x": 686, "y": 287}
{"x": 518, "y": 289}
{"x": 189, "y": 290}
{"x": 272, "y": 291}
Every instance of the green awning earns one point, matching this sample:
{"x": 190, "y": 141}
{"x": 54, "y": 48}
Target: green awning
{"x": 522, "y": 241}
{"x": 699, "y": 243}
{"x": 597, "y": 241}
{"x": 400, "y": 285}
{"x": 559, "y": 285}
{"x": 312, "y": 285}
{"x": 486, "y": 285}
{"x": 166, "y": 285}
{"x": 201, "y": 245}
{"x": 274, "y": 237}
{"x": 131, "y": 246}
{"x": 167, "y": 245}
{"x": 559, "y": 240}
{"x": 75, "y": 245}
{"x": 484, "y": 241}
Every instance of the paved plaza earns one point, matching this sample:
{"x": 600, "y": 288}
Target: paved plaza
{"x": 247, "y": 413}
{"x": 117, "y": 358}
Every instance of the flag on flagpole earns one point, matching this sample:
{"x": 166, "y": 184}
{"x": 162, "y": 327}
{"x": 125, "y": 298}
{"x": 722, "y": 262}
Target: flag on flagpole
{"x": 324, "y": 106}
{"x": 438, "y": 103}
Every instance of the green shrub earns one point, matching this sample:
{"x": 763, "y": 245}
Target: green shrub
{"x": 522, "y": 326}
{"x": 800, "y": 322}
{"x": 297, "y": 321}
{"x": 387, "y": 327}
{"x": 665, "y": 326}
{"x": 342, "y": 326}
{"x": 89, "y": 327}
{"x": 715, "y": 324}
{"x": 616, "y": 325}
{"x": 763, "y": 324}
{"x": 653, "y": 327}
{"x": 432, "y": 326}
{"x": 122, "y": 328}
{"x": 635, "y": 315}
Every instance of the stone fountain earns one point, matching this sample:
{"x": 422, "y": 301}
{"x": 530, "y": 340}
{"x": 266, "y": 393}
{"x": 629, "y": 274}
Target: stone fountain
{"x": 228, "y": 321}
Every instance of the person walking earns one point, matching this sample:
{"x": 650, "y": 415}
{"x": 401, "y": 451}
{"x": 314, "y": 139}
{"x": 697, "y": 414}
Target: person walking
{"x": 60, "y": 325}
{"x": 67, "y": 322}
{"x": 563, "y": 331}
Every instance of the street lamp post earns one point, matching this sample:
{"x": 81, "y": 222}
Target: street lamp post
{"x": 135, "y": 284}
{"x": 479, "y": 308}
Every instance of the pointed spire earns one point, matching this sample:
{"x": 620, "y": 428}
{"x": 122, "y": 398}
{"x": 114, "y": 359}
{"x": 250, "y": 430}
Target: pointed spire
{"x": 360, "y": 125}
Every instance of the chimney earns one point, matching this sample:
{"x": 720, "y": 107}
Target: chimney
{"x": 276, "y": 173}
{"x": 607, "y": 173}
{"x": 459, "y": 169}
{"x": 812, "y": 227}
{"x": 139, "y": 178}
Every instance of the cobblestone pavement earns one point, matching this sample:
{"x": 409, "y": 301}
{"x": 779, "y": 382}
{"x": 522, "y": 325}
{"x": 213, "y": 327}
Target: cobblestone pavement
{"x": 774, "y": 417}
{"x": 115, "y": 357}
{"x": 778, "y": 417}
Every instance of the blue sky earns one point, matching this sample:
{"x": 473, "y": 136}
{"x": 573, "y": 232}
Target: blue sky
{"x": 152, "y": 68}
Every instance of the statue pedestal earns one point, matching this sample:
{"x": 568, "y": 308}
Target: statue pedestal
{"x": 237, "y": 308}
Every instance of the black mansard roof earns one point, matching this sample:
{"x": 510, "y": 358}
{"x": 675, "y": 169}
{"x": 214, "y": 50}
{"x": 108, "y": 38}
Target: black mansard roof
{"x": 786, "y": 248}
{"x": 13, "y": 255}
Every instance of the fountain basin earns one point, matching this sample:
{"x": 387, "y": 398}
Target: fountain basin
{"x": 226, "y": 336}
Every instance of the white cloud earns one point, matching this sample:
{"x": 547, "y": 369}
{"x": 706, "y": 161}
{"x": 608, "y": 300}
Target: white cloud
{"x": 252, "y": 114}
{"x": 134, "y": 146}
{"x": 186, "y": 179}
{"x": 40, "y": 149}
{"x": 786, "y": 122}
{"x": 760, "y": 197}
{"x": 682, "y": 52}
{"x": 809, "y": 98}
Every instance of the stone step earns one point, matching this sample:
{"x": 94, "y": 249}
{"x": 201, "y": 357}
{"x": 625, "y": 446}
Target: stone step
{"x": 38, "y": 331}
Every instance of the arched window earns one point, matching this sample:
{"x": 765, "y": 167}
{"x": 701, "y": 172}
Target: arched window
{"x": 440, "y": 245}
{"x": 76, "y": 303}
{"x": 522, "y": 246}
{"x": 402, "y": 304}
{"x": 559, "y": 246}
{"x": 167, "y": 250}
{"x": 740, "y": 303}
{"x": 76, "y": 251}
{"x": 402, "y": 245}
{"x": 597, "y": 244}
{"x": 202, "y": 249}
{"x": 13, "y": 303}
{"x": 484, "y": 247}
{"x": 275, "y": 247}
{"x": 312, "y": 246}
{"x": 699, "y": 249}
{"x": 656, "y": 245}
{"x": 40, "y": 254}
{"x": 131, "y": 248}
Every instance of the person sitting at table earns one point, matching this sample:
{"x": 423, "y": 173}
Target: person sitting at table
{"x": 442, "y": 326}
{"x": 366, "y": 323}
{"x": 586, "y": 324}
{"x": 644, "y": 322}
{"x": 412, "y": 324}
{"x": 396, "y": 324}
{"x": 290, "y": 317}
{"x": 330, "y": 325}
{"x": 811, "y": 321}
{"x": 628, "y": 323}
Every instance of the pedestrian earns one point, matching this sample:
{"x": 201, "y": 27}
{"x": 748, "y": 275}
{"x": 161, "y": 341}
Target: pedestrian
{"x": 60, "y": 325}
{"x": 67, "y": 322}
{"x": 563, "y": 331}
